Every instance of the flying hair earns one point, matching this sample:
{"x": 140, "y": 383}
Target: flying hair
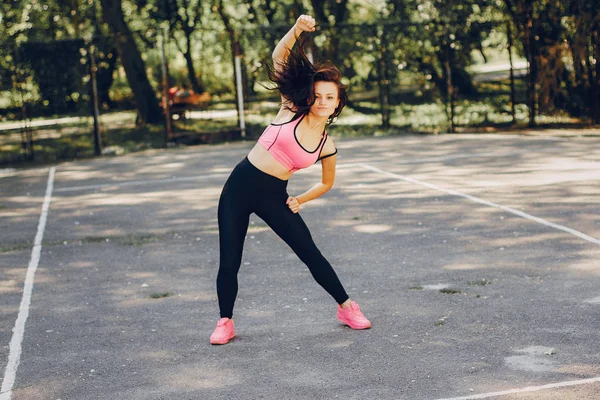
{"x": 296, "y": 79}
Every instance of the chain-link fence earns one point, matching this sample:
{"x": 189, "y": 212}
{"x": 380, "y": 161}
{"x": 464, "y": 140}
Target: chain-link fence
{"x": 71, "y": 98}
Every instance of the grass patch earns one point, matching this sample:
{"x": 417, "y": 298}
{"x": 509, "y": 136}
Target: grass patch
{"x": 160, "y": 295}
{"x": 450, "y": 291}
{"x": 416, "y": 288}
{"x": 127, "y": 240}
{"x": 479, "y": 282}
{"x": 17, "y": 247}
{"x": 139, "y": 240}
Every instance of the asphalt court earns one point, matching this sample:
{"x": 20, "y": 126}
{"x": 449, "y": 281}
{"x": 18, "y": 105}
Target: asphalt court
{"x": 475, "y": 256}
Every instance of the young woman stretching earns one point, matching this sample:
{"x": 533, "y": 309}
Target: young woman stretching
{"x": 312, "y": 96}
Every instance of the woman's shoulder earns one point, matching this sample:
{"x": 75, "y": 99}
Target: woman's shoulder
{"x": 329, "y": 148}
{"x": 284, "y": 116}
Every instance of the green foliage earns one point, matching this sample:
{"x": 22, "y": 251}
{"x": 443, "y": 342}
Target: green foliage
{"x": 415, "y": 40}
{"x": 60, "y": 79}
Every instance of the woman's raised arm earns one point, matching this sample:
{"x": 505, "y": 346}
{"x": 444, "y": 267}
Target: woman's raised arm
{"x": 304, "y": 23}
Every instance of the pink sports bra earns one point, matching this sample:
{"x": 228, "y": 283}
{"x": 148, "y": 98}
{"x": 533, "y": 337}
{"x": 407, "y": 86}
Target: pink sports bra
{"x": 280, "y": 140}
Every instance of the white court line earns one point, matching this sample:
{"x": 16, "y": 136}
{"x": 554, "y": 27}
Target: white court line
{"x": 526, "y": 389}
{"x": 14, "y": 354}
{"x": 137, "y": 183}
{"x": 485, "y": 202}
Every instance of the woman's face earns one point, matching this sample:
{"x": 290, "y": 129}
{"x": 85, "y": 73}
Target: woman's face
{"x": 326, "y": 99}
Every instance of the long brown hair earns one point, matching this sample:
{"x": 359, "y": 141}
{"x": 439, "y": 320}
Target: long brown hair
{"x": 297, "y": 76}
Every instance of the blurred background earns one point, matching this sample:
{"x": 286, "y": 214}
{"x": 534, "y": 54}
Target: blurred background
{"x": 81, "y": 78}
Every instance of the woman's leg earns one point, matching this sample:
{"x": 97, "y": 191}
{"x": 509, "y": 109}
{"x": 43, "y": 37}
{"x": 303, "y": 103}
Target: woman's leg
{"x": 291, "y": 228}
{"x": 233, "y": 224}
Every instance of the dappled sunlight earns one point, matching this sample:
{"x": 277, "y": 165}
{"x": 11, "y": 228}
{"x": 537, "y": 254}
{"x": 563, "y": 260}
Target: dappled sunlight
{"x": 462, "y": 266}
{"x": 595, "y": 300}
{"x": 522, "y": 239}
{"x": 135, "y": 283}
{"x": 589, "y": 266}
{"x": 221, "y": 170}
{"x": 10, "y": 286}
{"x": 343, "y": 222}
{"x": 255, "y": 229}
{"x": 9, "y": 310}
{"x": 370, "y": 228}
{"x": 531, "y": 180}
{"x": 197, "y": 199}
{"x": 83, "y": 264}
{"x": 24, "y": 200}
{"x": 195, "y": 296}
{"x": 19, "y": 214}
{"x": 580, "y": 369}
{"x": 341, "y": 344}
{"x": 167, "y": 166}
{"x": 16, "y": 271}
{"x": 141, "y": 275}
{"x": 158, "y": 355}
{"x": 51, "y": 387}
{"x": 196, "y": 376}
{"x": 254, "y": 313}
{"x": 78, "y": 173}
{"x": 318, "y": 202}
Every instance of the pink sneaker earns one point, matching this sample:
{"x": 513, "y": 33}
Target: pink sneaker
{"x": 224, "y": 332}
{"x": 353, "y": 317}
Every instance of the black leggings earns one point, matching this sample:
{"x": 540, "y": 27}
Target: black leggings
{"x": 249, "y": 190}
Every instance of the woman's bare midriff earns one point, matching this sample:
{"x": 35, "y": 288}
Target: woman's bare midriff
{"x": 264, "y": 161}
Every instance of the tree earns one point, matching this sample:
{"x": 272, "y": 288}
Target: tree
{"x": 524, "y": 17}
{"x": 237, "y": 49}
{"x": 436, "y": 39}
{"x": 135, "y": 69}
{"x": 582, "y": 26}
{"x": 184, "y": 18}
{"x": 334, "y": 14}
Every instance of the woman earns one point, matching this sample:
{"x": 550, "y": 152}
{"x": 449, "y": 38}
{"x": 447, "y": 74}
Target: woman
{"x": 312, "y": 96}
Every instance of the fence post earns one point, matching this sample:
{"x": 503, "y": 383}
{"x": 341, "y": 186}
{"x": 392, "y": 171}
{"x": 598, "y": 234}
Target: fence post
{"x": 450, "y": 87}
{"x": 512, "y": 72}
{"x": 240, "y": 93}
{"x": 26, "y": 134}
{"x": 93, "y": 70}
{"x": 384, "y": 98}
{"x": 166, "y": 105}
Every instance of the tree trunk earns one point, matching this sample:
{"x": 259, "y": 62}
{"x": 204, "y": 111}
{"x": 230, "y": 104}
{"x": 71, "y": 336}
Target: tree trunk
{"x": 522, "y": 13}
{"x": 596, "y": 81}
{"x": 197, "y": 84}
{"x": 528, "y": 44}
{"x": 236, "y": 50}
{"x": 146, "y": 102}
{"x": 449, "y": 91}
{"x": 384, "y": 93}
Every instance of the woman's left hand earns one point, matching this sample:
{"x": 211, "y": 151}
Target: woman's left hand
{"x": 293, "y": 204}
